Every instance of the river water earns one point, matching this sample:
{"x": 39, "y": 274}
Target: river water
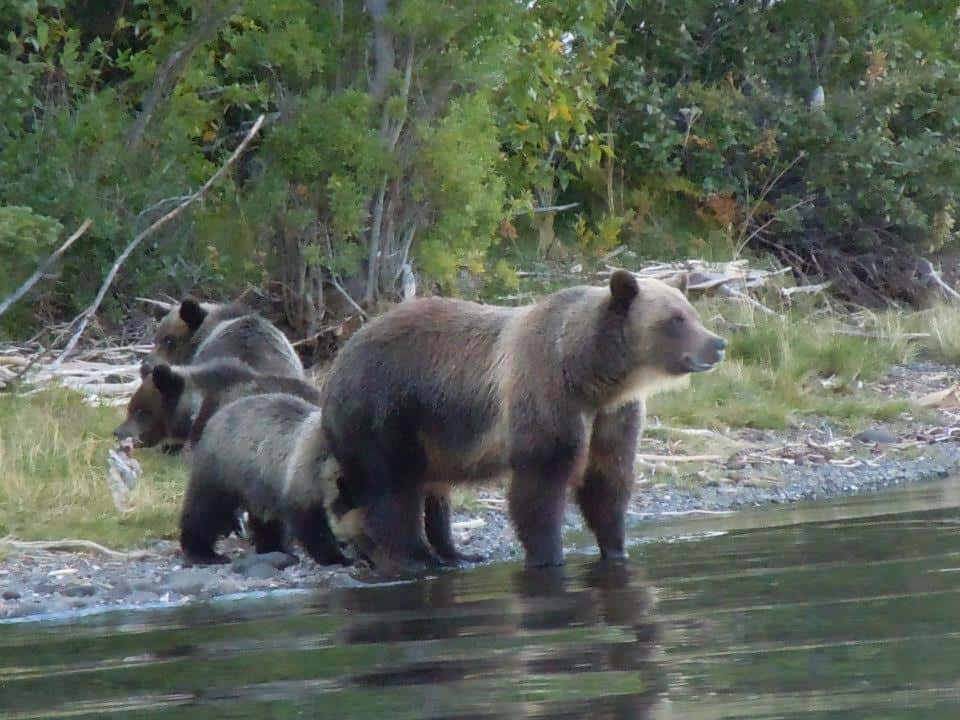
{"x": 843, "y": 609}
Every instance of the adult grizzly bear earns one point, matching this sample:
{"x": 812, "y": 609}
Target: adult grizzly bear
{"x": 438, "y": 391}
{"x": 195, "y": 332}
{"x": 264, "y": 454}
{"x": 173, "y": 403}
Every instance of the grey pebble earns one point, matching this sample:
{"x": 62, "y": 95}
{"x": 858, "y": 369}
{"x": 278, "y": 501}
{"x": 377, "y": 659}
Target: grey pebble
{"x": 277, "y": 560}
{"x": 142, "y": 596}
{"x": 79, "y": 591}
{"x": 261, "y": 571}
{"x": 876, "y": 435}
{"x": 188, "y": 581}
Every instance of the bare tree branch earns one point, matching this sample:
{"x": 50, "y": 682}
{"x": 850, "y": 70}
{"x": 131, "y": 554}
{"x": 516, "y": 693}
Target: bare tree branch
{"x": 173, "y": 67}
{"x": 336, "y": 283}
{"x": 934, "y": 277}
{"x": 88, "y": 314}
{"x": 549, "y": 209}
{"x": 44, "y": 267}
{"x": 385, "y": 60}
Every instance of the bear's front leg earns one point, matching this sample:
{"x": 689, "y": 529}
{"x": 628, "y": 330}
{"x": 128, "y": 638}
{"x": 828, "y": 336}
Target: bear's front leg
{"x": 608, "y": 481}
{"x": 543, "y": 470}
{"x": 537, "y": 502}
{"x": 208, "y": 513}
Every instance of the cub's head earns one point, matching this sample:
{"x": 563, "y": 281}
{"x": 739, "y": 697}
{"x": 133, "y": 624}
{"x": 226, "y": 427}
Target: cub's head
{"x": 664, "y": 337}
{"x": 157, "y": 412}
{"x": 172, "y": 341}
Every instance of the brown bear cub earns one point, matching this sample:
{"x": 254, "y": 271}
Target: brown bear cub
{"x": 173, "y": 403}
{"x": 264, "y": 454}
{"x": 196, "y": 332}
{"x": 551, "y": 395}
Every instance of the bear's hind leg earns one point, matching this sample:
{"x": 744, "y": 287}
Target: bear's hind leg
{"x": 311, "y": 526}
{"x": 208, "y": 513}
{"x": 436, "y": 521}
{"x": 268, "y": 535}
{"x": 395, "y": 528}
{"x": 608, "y": 480}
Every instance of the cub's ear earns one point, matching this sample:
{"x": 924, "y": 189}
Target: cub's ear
{"x": 191, "y": 313}
{"x": 680, "y": 281}
{"x": 168, "y": 383}
{"x": 623, "y": 289}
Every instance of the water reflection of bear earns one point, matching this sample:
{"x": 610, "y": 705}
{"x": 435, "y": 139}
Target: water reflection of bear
{"x": 599, "y": 613}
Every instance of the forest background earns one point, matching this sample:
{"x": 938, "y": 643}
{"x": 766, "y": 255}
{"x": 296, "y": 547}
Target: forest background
{"x": 456, "y": 141}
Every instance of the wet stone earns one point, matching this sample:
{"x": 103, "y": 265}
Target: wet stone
{"x": 79, "y": 591}
{"x": 188, "y": 581}
{"x": 261, "y": 571}
{"x": 277, "y": 560}
{"x": 142, "y": 596}
{"x": 11, "y": 594}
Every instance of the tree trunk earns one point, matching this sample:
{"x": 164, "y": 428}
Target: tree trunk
{"x": 545, "y": 234}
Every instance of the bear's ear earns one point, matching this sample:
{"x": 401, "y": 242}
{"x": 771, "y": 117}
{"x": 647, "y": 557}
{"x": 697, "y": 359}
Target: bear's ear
{"x": 680, "y": 281}
{"x": 191, "y": 313}
{"x": 623, "y": 289}
{"x": 167, "y": 382}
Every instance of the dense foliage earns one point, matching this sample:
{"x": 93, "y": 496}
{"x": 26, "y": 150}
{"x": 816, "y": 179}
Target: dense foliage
{"x": 433, "y": 134}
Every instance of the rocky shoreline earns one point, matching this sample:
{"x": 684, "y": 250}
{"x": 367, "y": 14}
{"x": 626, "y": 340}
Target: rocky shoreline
{"x": 744, "y": 469}
{"x": 48, "y": 585}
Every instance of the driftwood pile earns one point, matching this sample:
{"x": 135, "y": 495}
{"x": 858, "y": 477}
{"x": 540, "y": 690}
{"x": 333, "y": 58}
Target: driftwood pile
{"x": 106, "y": 375}
{"x": 735, "y": 280}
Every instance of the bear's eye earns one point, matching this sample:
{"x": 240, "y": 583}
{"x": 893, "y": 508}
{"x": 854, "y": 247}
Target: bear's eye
{"x": 169, "y": 343}
{"x": 677, "y": 320}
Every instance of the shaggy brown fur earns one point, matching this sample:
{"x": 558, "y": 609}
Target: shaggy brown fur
{"x": 439, "y": 391}
{"x": 196, "y": 332}
{"x": 264, "y": 454}
{"x": 173, "y": 404}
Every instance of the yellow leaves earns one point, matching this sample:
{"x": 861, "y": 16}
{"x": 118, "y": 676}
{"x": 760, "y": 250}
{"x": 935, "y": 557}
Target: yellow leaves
{"x": 522, "y": 126}
{"x": 556, "y": 46}
{"x": 876, "y": 66}
{"x": 560, "y": 110}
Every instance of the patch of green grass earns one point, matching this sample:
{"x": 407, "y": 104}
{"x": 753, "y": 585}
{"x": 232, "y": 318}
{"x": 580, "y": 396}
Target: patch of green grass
{"x": 779, "y": 368}
{"x": 53, "y": 474}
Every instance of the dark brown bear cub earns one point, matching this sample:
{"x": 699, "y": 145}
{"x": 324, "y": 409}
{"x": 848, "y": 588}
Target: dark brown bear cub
{"x": 264, "y": 454}
{"x": 551, "y": 395}
{"x": 173, "y": 403}
{"x": 195, "y": 332}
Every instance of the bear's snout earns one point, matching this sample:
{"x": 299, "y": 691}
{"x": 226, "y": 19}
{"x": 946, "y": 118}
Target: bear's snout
{"x": 710, "y": 355}
{"x": 122, "y": 432}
